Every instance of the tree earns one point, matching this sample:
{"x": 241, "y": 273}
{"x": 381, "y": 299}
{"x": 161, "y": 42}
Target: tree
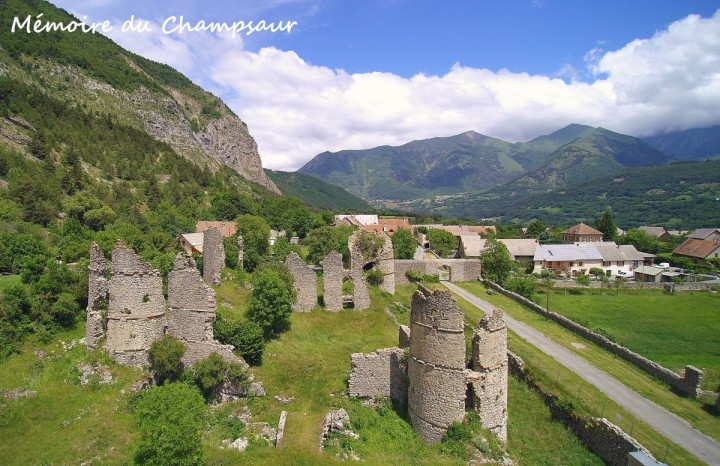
{"x": 441, "y": 241}
{"x": 269, "y": 304}
{"x": 583, "y": 280}
{"x": 606, "y": 224}
{"x": 618, "y": 283}
{"x": 256, "y": 233}
{"x": 535, "y": 228}
{"x": 496, "y": 261}
{"x": 209, "y": 373}
{"x": 524, "y": 286}
{"x": 547, "y": 284}
{"x": 246, "y": 336}
{"x": 325, "y": 239}
{"x": 169, "y": 420}
{"x": 282, "y": 248}
{"x": 404, "y": 244}
{"x": 165, "y": 354}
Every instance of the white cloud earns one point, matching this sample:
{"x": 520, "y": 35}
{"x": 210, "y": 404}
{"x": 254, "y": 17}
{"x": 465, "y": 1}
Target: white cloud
{"x": 295, "y": 109}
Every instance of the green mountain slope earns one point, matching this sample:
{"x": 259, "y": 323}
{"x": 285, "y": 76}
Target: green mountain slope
{"x": 316, "y": 192}
{"x": 420, "y": 174}
{"x": 676, "y": 195}
{"x": 91, "y": 71}
{"x": 692, "y": 144}
{"x": 468, "y": 162}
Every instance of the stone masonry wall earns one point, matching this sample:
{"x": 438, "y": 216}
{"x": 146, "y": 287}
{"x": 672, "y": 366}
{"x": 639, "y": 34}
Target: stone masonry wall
{"x": 460, "y": 269}
{"x": 489, "y": 345}
{"x": 599, "y": 435}
{"x": 97, "y": 296}
{"x": 241, "y": 251}
{"x": 304, "y": 281}
{"x": 136, "y": 308}
{"x": 384, "y": 259}
{"x": 213, "y": 255}
{"x": 689, "y": 384}
{"x": 333, "y": 275}
{"x": 436, "y": 366}
{"x": 382, "y": 373}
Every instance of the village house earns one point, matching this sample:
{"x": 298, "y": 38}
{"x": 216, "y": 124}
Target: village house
{"x": 581, "y": 233}
{"x": 622, "y": 259}
{"x": 191, "y": 242}
{"x": 521, "y": 248}
{"x": 567, "y": 259}
{"x": 356, "y": 220}
{"x": 707, "y": 234}
{"x": 698, "y": 250}
{"x": 388, "y": 225}
{"x": 658, "y": 232}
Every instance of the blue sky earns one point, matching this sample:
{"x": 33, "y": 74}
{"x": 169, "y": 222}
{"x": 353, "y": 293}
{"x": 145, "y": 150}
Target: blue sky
{"x": 357, "y": 74}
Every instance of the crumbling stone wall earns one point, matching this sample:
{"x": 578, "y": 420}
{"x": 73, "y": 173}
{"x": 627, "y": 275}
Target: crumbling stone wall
{"x": 461, "y": 270}
{"x": 97, "y": 296}
{"x": 361, "y": 295}
{"x": 136, "y": 307}
{"x": 333, "y": 276}
{"x": 490, "y": 363}
{"x": 436, "y": 366}
{"x": 304, "y": 281}
{"x": 384, "y": 259}
{"x": 192, "y": 309}
{"x": 213, "y": 255}
{"x": 379, "y": 374}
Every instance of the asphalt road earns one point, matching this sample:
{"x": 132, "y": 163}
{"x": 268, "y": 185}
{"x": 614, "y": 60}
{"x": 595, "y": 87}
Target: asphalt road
{"x": 670, "y": 425}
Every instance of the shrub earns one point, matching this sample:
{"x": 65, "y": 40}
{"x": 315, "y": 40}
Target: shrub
{"x": 246, "y": 336}
{"x": 209, "y": 373}
{"x": 269, "y": 304}
{"x": 524, "y": 286}
{"x": 169, "y": 423}
{"x": 165, "y": 355}
{"x": 374, "y": 277}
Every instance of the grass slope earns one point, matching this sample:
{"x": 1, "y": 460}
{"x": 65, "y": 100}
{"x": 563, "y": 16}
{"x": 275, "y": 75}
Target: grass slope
{"x": 310, "y": 362}
{"x": 316, "y": 192}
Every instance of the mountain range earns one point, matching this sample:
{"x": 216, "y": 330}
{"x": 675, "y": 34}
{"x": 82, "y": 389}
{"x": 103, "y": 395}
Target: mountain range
{"x": 476, "y": 176}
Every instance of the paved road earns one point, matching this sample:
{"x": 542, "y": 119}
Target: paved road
{"x": 665, "y": 422}
{"x": 419, "y": 253}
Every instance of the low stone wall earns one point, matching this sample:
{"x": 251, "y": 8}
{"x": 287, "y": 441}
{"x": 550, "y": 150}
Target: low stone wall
{"x": 382, "y": 373}
{"x": 689, "y": 384}
{"x": 691, "y": 286}
{"x": 461, "y": 270}
{"x": 599, "y": 435}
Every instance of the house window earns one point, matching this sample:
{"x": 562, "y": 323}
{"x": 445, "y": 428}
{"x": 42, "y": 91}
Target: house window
{"x": 606, "y": 263}
{"x": 621, "y": 263}
{"x": 579, "y": 264}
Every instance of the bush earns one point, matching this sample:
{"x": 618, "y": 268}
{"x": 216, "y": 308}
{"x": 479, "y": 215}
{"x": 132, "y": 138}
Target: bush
{"x": 169, "y": 423}
{"x": 246, "y": 336}
{"x": 524, "y": 286}
{"x": 270, "y": 301}
{"x": 416, "y": 277}
{"x": 374, "y": 277}
{"x": 209, "y": 373}
{"x": 165, "y": 355}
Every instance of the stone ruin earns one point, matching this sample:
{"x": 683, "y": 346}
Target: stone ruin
{"x": 213, "y": 255}
{"x": 241, "y": 251}
{"x": 433, "y": 379}
{"x": 304, "y": 281}
{"x": 335, "y": 274}
{"x": 136, "y": 308}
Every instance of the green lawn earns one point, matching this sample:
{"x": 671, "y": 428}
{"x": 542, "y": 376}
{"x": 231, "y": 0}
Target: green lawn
{"x": 671, "y": 329}
{"x": 700, "y": 416}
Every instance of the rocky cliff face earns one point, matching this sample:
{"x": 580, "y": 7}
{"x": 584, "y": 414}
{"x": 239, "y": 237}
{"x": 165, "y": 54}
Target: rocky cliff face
{"x": 100, "y": 76}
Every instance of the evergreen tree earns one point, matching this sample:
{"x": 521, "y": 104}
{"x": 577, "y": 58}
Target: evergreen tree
{"x": 607, "y": 225}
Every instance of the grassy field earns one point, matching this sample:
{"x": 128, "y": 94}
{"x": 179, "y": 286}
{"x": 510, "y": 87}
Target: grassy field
{"x": 701, "y": 416}
{"x": 67, "y": 423}
{"x": 671, "y": 329}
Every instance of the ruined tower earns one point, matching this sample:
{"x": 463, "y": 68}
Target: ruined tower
{"x": 136, "y": 307}
{"x": 213, "y": 255}
{"x": 333, "y": 276}
{"x": 436, "y": 366}
{"x": 304, "y": 281}
{"x": 97, "y": 296}
{"x": 383, "y": 260}
{"x": 490, "y": 364}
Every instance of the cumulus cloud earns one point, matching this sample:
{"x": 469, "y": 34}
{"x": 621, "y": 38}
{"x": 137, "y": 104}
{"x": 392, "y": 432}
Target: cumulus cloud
{"x": 296, "y": 109}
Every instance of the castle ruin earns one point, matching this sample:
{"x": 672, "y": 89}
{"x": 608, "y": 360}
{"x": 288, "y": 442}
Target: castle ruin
{"x": 304, "y": 281}
{"x": 136, "y": 308}
{"x": 213, "y": 255}
{"x": 434, "y": 380}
